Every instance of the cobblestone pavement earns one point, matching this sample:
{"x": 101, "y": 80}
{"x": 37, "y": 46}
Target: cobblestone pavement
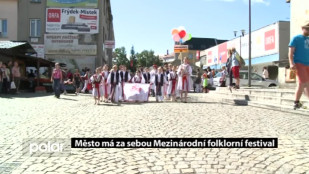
{"x": 77, "y": 116}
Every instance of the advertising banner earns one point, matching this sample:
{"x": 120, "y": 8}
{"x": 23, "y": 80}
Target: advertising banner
{"x": 40, "y": 49}
{"x": 72, "y": 20}
{"x": 136, "y": 92}
{"x": 265, "y": 41}
{"x": 110, "y": 44}
{"x": 70, "y": 44}
{"x": 73, "y": 3}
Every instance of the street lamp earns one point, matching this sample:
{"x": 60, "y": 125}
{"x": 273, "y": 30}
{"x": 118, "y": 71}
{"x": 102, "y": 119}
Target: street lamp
{"x": 249, "y": 67}
{"x": 242, "y": 35}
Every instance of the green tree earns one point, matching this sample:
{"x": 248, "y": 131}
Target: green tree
{"x": 120, "y": 57}
{"x": 148, "y": 58}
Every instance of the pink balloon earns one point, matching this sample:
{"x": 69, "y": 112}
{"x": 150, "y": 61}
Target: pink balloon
{"x": 176, "y": 38}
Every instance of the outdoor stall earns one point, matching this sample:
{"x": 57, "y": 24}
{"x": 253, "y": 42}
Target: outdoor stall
{"x": 23, "y": 53}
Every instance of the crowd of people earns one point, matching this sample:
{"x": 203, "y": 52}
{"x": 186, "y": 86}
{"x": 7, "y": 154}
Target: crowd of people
{"x": 168, "y": 82}
{"x": 9, "y": 77}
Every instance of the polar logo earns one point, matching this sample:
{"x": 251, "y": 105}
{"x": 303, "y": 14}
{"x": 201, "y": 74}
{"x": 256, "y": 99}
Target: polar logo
{"x": 48, "y": 147}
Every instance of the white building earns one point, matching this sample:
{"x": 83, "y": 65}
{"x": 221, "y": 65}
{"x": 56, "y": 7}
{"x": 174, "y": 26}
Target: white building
{"x": 269, "y": 45}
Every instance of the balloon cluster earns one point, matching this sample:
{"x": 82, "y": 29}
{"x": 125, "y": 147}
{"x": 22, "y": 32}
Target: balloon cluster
{"x": 180, "y": 35}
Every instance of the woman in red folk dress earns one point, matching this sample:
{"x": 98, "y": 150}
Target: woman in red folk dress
{"x": 185, "y": 82}
{"x": 96, "y": 80}
{"x": 106, "y": 86}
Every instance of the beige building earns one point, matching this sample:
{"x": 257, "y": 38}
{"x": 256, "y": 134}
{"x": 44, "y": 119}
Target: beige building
{"x": 66, "y": 31}
{"x": 299, "y": 15}
{"x": 8, "y": 19}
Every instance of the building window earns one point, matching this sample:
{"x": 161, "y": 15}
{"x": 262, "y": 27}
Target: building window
{"x": 37, "y": 1}
{"x": 35, "y": 27}
{"x": 3, "y": 28}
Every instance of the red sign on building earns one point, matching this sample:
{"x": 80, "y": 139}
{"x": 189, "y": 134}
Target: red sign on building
{"x": 53, "y": 15}
{"x": 222, "y": 52}
{"x": 197, "y": 55}
{"x": 209, "y": 57}
{"x": 270, "y": 40}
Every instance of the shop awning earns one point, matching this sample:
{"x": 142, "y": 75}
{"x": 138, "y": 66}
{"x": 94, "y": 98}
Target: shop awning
{"x": 22, "y": 51}
{"x": 13, "y": 48}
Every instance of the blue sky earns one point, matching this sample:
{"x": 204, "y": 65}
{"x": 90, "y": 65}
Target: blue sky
{"x": 147, "y": 24}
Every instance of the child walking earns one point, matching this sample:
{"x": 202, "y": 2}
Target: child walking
{"x": 96, "y": 80}
{"x": 205, "y": 82}
{"x": 172, "y": 80}
{"x": 160, "y": 80}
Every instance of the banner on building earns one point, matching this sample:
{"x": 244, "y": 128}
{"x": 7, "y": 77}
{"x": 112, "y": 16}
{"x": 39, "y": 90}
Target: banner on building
{"x": 136, "y": 92}
{"x": 110, "y": 44}
{"x": 73, "y": 3}
{"x": 70, "y": 44}
{"x": 181, "y": 48}
{"x": 265, "y": 41}
{"x": 40, "y": 50}
{"x": 72, "y": 20}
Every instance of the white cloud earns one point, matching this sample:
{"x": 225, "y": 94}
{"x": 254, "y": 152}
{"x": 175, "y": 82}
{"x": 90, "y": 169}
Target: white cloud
{"x": 267, "y": 3}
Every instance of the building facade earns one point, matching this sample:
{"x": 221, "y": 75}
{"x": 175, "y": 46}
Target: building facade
{"x": 299, "y": 15}
{"x": 8, "y": 19}
{"x": 71, "y": 32}
{"x": 299, "y": 10}
{"x": 269, "y": 46}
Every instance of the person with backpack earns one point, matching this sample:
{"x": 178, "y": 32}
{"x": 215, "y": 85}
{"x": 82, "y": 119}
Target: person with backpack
{"x": 235, "y": 60}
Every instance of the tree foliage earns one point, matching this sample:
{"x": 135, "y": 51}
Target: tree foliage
{"x": 120, "y": 56}
{"x": 148, "y": 58}
{"x": 145, "y": 58}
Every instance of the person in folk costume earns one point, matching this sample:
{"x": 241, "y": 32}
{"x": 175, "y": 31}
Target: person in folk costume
{"x": 185, "y": 82}
{"x": 125, "y": 78}
{"x": 105, "y": 85}
{"x": 205, "y": 82}
{"x": 159, "y": 82}
{"x": 138, "y": 78}
{"x": 153, "y": 73}
{"x": 86, "y": 79}
{"x": 97, "y": 91}
{"x": 114, "y": 80}
{"x": 177, "y": 91}
{"x": 172, "y": 80}
{"x": 147, "y": 76}
{"x": 165, "y": 87}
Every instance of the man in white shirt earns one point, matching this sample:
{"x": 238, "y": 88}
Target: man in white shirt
{"x": 265, "y": 73}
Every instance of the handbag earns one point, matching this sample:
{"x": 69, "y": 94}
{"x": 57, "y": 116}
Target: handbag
{"x": 292, "y": 74}
{"x": 13, "y": 86}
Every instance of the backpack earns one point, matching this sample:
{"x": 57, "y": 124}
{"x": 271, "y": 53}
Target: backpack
{"x": 241, "y": 61}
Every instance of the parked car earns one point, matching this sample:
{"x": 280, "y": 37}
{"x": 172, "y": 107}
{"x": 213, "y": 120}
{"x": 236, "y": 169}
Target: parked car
{"x": 256, "y": 80}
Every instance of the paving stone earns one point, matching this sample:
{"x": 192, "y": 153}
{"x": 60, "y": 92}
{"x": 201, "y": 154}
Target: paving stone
{"x": 76, "y": 116}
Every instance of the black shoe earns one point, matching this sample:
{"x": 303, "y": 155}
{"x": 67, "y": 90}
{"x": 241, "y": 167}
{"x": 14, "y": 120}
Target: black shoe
{"x": 297, "y": 105}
